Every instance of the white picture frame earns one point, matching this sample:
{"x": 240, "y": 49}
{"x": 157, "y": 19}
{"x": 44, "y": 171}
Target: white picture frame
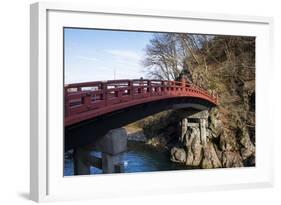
{"x": 46, "y": 139}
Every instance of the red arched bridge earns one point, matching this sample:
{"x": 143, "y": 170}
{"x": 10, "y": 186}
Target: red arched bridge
{"x": 84, "y": 101}
{"x": 94, "y": 108}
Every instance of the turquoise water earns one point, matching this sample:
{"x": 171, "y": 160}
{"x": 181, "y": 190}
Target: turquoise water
{"x": 139, "y": 158}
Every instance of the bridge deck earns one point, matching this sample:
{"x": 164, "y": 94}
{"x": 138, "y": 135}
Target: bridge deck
{"x": 84, "y": 101}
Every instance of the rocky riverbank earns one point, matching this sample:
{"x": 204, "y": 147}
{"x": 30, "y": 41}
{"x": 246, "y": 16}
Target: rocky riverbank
{"x": 135, "y": 134}
{"x": 218, "y": 149}
{"x": 200, "y": 140}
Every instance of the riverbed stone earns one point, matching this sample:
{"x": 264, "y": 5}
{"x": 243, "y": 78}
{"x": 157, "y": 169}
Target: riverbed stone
{"x": 157, "y": 141}
{"x": 178, "y": 155}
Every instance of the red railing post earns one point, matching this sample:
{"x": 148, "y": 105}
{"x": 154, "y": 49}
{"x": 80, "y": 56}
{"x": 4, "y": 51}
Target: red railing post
{"x": 87, "y": 99}
{"x": 141, "y": 87}
{"x": 131, "y": 89}
{"x": 149, "y": 87}
{"x": 116, "y": 91}
{"x": 104, "y": 93}
{"x": 66, "y": 103}
{"x": 167, "y": 87}
{"x": 183, "y": 84}
{"x": 138, "y": 87}
{"x": 162, "y": 87}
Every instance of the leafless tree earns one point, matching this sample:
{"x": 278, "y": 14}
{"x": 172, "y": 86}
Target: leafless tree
{"x": 164, "y": 57}
{"x": 171, "y": 55}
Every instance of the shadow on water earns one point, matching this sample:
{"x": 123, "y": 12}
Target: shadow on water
{"x": 139, "y": 157}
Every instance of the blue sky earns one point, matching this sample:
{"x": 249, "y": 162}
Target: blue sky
{"x": 93, "y": 55}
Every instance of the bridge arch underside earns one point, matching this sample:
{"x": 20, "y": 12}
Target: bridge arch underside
{"x": 87, "y": 132}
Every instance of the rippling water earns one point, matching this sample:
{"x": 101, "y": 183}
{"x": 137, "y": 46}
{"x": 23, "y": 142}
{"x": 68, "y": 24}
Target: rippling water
{"x": 139, "y": 158}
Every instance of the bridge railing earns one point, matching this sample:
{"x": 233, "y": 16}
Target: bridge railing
{"x": 82, "y": 97}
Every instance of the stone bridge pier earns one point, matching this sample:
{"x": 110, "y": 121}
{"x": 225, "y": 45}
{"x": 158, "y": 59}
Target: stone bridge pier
{"x": 195, "y": 150}
{"x": 112, "y": 146}
{"x": 200, "y": 120}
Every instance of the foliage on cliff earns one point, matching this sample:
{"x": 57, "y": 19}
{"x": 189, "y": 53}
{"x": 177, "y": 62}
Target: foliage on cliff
{"x": 222, "y": 64}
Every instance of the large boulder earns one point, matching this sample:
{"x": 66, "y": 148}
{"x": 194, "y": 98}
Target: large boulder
{"x": 178, "y": 155}
{"x": 210, "y": 158}
{"x": 248, "y": 148}
{"x": 231, "y": 159}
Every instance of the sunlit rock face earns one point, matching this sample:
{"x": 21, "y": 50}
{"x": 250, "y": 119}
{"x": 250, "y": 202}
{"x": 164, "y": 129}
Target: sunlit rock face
{"x": 207, "y": 144}
{"x": 210, "y": 157}
{"x": 193, "y": 145}
{"x": 195, "y": 138}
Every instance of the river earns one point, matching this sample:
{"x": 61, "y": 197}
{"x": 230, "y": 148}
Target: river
{"x": 139, "y": 157}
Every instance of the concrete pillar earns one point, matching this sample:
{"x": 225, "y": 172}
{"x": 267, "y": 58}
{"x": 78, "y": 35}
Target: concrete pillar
{"x": 203, "y": 131}
{"x": 112, "y": 146}
{"x": 80, "y": 160}
{"x": 109, "y": 162}
{"x": 201, "y": 118}
{"x": 184, "y": 124}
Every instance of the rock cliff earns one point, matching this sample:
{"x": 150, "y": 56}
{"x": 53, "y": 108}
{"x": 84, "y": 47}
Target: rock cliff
{"x": 224, "y": 65}
{"x": 217, "y": 150}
